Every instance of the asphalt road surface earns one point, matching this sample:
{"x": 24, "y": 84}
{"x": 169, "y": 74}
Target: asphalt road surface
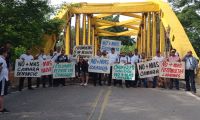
{"x": 75, "y": 102}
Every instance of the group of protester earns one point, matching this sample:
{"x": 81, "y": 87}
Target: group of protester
{"x": 81, "y": 68}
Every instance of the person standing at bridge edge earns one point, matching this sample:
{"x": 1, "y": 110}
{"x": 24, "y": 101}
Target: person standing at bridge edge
{"x": 62, "y": 58}
{"x": 174, "y": 58}
{"x": 134, "y": 60}
{"x": 26, "y": 57}
{"x": 112, "y": 59}
{"x": 3, "y": 79}
{"x": 191, "y": 64}
{"x": 158, "y": 58}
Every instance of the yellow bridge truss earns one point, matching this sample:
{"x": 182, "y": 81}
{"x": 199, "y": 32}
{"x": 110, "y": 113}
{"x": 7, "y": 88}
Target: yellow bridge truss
{"x": 153, "y": 22}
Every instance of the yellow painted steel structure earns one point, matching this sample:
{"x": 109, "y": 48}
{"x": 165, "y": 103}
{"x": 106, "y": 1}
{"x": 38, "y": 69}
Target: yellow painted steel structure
{"x": 146, "y": 19}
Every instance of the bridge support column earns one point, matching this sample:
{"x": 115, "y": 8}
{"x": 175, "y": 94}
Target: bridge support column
{"x": 149, "y": 36}
{"x": 154, "y": 47}
{"x": 77, "y": 29}
{"x": 144, "y": 34}
{"x": 93, "y": 40}
{"x": 162, "y": 38}
{"x": 142, "y": 39}
{"x": 89, "y": 29}
{"x": 67, "y": 37}
{"x": 84, "y": 29}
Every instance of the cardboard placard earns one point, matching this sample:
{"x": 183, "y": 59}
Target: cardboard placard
{"x": 99, "y": 65}
{"x": 107, "y": 44}
{"x": 172, "y": 70}
{"x": 47, "y": 67}
{"x": 27, "y": 68}
{"x": 148, "y": 69}
{"x": 123, "y": 72}
{"x": 63, "y": 70}
{"x": 84, "y": 51}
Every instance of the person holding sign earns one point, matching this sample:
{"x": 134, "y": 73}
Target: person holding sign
{"x": 83, "y": 71}
{"x": 26, "y": 57}
{"x": 174, "y": 58}
{"x": 122, "y": 59}
{"x": 3, "y": 79}
{"x": 51, "y": 57}
{"x": 41, "y": 57}
{"x": 135, "y": 60}
{"x": 142, "y": 80}
{"x": 191, "y": 64}
{"x": 112, "y": 59}
{"x": 61, "y": 58}
{"x": 97, "y": 76}
{"x": 158, "y": 58}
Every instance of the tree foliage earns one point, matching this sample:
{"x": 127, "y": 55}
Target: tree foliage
{"x": 188, "y": 12}
{"x": 126, "y": 40}
{"x": 24, "y": 22}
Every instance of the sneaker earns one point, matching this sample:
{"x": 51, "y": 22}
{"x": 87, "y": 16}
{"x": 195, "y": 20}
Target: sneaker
{"x": 81, "y": 84}
{"x": 85, "y": 84}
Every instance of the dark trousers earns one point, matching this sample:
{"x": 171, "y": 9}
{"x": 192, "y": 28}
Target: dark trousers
{"x": 128, "y": 83}
{"x": 135, "y": 82}
{"x": 21, "y": 83}
{"x": 117, "y": 82}
{"x": 43, "y": 80}
{"x": 142, "y": 81}
{"x": 62, "y": 81}
{"x": 97, "y": 77}
{"x": 50, "y": 77}
{"x": 110, "y": 77}
{"x": 190, "y": 80}
{"x": 172, "y": 82}
{"x": 155, "y": 79}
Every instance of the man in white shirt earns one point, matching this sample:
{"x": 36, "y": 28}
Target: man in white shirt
{"x": 26, "y": 57}
{"x": 113, "y": 59}
{"x": 41, "y": 57}
{"x": 158, "y": 58}
{"x": 3, "y": 79}
{"x": 134, "y": 60}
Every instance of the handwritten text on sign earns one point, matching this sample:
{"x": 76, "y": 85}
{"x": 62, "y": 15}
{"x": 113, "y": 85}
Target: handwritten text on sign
{"x": 107, "y": 44}
{"x": 63, "y": 70}
{"x": 172, "y": 70}
{"x": 84, "y": 51}
{"x": 123, "y": 72}
{"x": 99, "y": 65}
{"x": 46, "y": 67}
{"x": 148, "y": 69}
{"x": 27, "y": 69}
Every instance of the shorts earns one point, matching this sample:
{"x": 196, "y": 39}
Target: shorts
{"x": 3, "y": 87}
{"x": 84, "y": 74}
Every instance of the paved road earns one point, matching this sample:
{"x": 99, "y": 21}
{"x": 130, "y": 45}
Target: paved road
{"x": 101, "y": 103}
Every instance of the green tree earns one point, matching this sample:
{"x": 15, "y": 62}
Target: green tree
{"x": 24, "y": 22}
{"x": 189, "y": 15}
{"x": 126, "y": 40}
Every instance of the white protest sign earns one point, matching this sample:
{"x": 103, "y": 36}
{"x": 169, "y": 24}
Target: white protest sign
{"x": 63, "y": 70}
{"x": 84, "y": 51}
{"x": 123, "y": 72}
{"x": 172, "y": 70}
{"x": 107, "y": 44}
{"x": 27, "y": 68}
{"x": 148, "y": 69}
{"x": 46, "y": 67}
{"x": 99, "y": 65}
